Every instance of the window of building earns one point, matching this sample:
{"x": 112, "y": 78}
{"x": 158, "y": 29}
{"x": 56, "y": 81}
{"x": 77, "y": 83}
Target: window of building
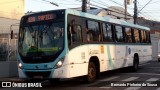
{"x": 107, "y": 33}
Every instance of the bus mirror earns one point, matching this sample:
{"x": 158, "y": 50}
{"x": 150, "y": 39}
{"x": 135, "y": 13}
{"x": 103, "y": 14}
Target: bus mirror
{"x": 11, "y": 34}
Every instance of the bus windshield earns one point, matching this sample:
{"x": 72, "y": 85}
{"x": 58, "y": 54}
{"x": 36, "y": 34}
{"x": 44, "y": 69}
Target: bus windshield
{"x": 40, "y": 40}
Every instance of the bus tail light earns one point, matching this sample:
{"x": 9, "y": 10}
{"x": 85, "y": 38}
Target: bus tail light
{"x": 59, "y": 63}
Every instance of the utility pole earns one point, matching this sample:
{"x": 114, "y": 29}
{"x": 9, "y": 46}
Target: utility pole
{"x": 135, "y": 11}
{"x": 84, "y": 5}
{"x": 125, "y": 4}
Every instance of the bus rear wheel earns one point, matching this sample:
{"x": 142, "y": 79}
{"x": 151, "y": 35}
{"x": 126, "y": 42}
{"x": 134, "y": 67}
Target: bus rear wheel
{"x": 135, "y": 64}
{"x": 91, "y": 76}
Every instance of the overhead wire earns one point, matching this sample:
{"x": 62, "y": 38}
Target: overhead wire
{"x": 145, "y": 14}
{"x": 113, "y": 9}
{"x": 10, "y": 2}
{"x": 101, "y": 4}
{"x": 144, "y": 6}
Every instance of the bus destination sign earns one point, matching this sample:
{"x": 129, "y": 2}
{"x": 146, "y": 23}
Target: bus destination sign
{"x": 41, "y": 18}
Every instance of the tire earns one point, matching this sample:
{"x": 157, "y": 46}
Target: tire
{"x": 91, "y": 76}
{"x": 135, "y": 64}
{"x": 158, "y": 59}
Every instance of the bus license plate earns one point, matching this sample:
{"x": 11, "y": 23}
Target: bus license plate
{"x": 38, "y": 77}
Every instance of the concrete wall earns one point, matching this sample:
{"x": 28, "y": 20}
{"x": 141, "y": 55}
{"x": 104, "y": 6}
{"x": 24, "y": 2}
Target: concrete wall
{"x": 155, "y": 34}
{"x": 10, "y": 14}
{"x": 154, "y": 42}
{"x": 12, "y": 9}
{"x": 8, "y": 69}
{"x": 155, "y": 39}
{"x": 5, "y": 24}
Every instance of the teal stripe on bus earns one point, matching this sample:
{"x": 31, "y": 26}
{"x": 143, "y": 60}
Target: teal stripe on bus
{"x": 111, "y": 64}
{"x": 109, "y": 57}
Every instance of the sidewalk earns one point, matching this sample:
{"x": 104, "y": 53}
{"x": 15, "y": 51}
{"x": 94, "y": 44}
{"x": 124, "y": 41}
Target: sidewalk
{"x": 11, "y": 79}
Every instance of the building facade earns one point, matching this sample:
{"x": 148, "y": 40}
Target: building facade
{"x": 10, "y": 15}
{"x": 12, "y": 9}
{"x": 155, "y": 35}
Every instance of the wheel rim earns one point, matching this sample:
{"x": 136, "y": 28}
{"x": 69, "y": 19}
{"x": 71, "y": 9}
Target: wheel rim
{"x": 136, "y": 66}
{"x": 91, "y": 73}
{"x": 136, "y": 63}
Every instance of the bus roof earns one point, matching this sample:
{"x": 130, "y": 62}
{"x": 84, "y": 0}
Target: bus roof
{"x": 106, "y": 19}
{"x": 91, "y": 16}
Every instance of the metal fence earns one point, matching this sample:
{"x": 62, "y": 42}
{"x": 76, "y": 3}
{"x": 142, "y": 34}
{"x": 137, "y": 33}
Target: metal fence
{"x": 7, "y": 48}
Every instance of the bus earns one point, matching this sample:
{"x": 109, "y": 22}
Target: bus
{"x": 67, "y": 43}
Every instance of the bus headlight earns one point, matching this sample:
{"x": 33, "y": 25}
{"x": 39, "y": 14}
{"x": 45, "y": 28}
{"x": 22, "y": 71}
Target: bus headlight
{"x": 158, "y": 55}
{"x": 59, "y": 63}
{"x": 20, "y": 65}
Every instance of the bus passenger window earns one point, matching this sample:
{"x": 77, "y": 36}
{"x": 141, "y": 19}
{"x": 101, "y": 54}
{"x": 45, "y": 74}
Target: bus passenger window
{"x": 79, "y": 33}
{"x": 74, "y": 32}
{"x": 93, "y": 30}
{"x": 107, "y": 33}
{"x": 148, "y": 37}
{"x": 143, "y": 36}
{"x": 119, "y": 33}
{"x": 89, "y": 35}
{"x": 69, "y": 34}
{"x": 128, "y": 35}
{"x": 136, "y": 35}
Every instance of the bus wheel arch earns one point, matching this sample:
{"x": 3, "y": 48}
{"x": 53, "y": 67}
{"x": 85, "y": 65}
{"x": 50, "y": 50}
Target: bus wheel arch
{"x": 93, "y": 69}
{"x": 135, "y": 62}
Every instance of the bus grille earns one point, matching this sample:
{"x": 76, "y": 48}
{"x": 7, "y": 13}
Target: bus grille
{"x": 38, "y": 74}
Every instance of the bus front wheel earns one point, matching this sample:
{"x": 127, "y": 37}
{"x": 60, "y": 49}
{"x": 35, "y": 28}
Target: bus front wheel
{"x": 91, "y": 76}
{"x": 54, "y": 80}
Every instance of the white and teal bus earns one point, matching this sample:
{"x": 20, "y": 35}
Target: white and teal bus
{"x": 70, "y": 43}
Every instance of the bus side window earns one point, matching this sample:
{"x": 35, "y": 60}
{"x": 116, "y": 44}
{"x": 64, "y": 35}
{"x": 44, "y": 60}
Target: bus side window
{"x": 107, "y": 33}
{"x": 128, "y": 35}
{"x": 74, "y": 32}
{"x": 136, "y": 36}
{"x": 69, "y": 34}
{"x": 79, "y": 33}
{"x": 93, "y": 30}
{"x": 89, "y": 35}
{"x": 143, "y": 36}
{"x": 148, "y": 36}
{"x": 119, "y": 33}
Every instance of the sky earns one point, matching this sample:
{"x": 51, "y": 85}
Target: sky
{"x": 150, "y": 11}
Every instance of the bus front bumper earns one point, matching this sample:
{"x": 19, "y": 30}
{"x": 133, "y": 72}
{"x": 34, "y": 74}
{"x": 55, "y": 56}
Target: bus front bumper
{"x": 62, "y": 72}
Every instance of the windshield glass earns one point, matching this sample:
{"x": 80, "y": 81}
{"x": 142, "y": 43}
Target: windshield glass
{"x": 40, "y": 40}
